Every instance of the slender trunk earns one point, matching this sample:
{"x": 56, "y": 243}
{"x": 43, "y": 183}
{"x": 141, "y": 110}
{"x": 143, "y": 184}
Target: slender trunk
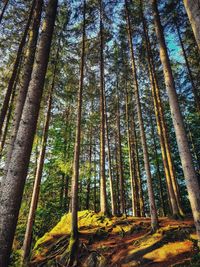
{"x": 140, "y": 207}
{"x": 95, "y": 183}
{"x": 90, "y": 168}
{"x": 26, "y": 76}
{"x": 3, "y": 10}
{"x": 153, "y": 212}
{"x": 38, "y": 177}
{"x": 103, "y": 205}
{"x": 160, "y": 123}
{"x": 194, "y": 89}
{"x": 112, "y": 196}
{"x": 15, "y": 68}
{"x": 131, "y": 153}
{"x": 193, "y": 11}
{"x": 74, "y": 238}
{"x": 5, "y": 130}
{"x": 18, "y": 167}
{"x": 117, "y": 177}
{"x": 195, "y": 153}
{"x": 181, "y": 136}
{"x": 120, "y": 164}
{"x": 160, "y": 187}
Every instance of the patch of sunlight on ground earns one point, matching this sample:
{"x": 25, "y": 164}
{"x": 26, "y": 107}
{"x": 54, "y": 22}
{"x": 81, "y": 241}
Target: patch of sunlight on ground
{"x": 193, "y": 236}
{"x": 169, "y": 250}
{"x": 150, "y": 241}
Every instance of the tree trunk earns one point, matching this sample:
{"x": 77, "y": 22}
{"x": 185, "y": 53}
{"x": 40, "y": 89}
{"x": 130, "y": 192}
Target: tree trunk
{"x": 112, "y": 196}
{"x": 117, "y": 178}
{"x": 90, "y": 168}
{"x": 74, "y": 238}
{"x": 153, "y": 212}
{"x": 3, "y": 10}
{"x": 26, "y": 77}
{"x": 194, "y": 89}
{"x": 181, "y": 136}
{"x": 193, "y": 11}
{"x": 11, "y": 105}
{"x": 103, "y": 205}
{"x": 166, "y": 157}
{"x": 120, "y": 164}
{"x": 18, "y": 167}
{"x": 95, "y": 182}
{"x": 160, "y": 187}
{"x": 140, "y": 208}
{"x": 38, "y": 177}
{"x": 15, "y": 68}
{"x": 131, "y": 153}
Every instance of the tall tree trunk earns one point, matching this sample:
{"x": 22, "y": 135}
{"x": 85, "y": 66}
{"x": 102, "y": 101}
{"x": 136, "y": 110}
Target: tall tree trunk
{"x": 131, "y": 153}
{"x": 95, "y": 181}
{"x": 117, "y": 177}
{"x": 193, "y": 11}
{"x": 38, "y": 177}
{"x": 103, "y": 205}
{"x": 120, "y": 164}
{"x": 90, "y": 168}
{"x": 6, "y": 101}
{"x": 153, "y": 212}
{"x": 166, "y": 157}
{"x": 74, "y": 238}
{"x": 10, "y": 110}
{"x": 194, "y": 89}
{"x": 26, "y": 76}
{"x": 3, "y": 10}
{"x": 112, "y": 195}
{"x": 181, "y": 136}
{"x": 160, "y": 187}
{"x": 134, "y": 140}
{"x": 18, "y": 167}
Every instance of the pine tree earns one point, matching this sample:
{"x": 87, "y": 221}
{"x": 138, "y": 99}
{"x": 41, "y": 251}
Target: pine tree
{"x": 193, "y": 12}
{"x": 181, "y": 136}
{"x": 18, "y": 167}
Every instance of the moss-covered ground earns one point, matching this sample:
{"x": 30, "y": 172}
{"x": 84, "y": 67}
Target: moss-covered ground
{"x": 120, "y": 241}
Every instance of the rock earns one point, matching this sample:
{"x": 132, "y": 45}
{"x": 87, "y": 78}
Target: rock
{"x": 95, "y": 260}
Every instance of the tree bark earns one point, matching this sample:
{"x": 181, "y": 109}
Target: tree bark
{"x": 18, "y": 167}
{"x": 6, "y": 101}
{"x": 112, "y": 195}
{"x": 3, "y": 10}
{"x": 193, "y": 11}
{"x": 74, "y": 238}
{"x": 103, "y": 205}
{"x": 153, "y": 211}
{"x": 160, "y": 187}
{"x": 165, "y": 150}
{"x": 181, "y": 136}
{"x": 11, "y": 105}
{"x": 120, "y": 164}
{"x": 194, "y": 89}
{"x": 26, "y": 76}
{"x": 132, "y": 164}
{"x": 90, "y": 167}
{"x": 140, "y": 208}
{"x": 38, "y": 177}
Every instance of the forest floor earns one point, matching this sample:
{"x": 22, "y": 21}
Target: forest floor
{"x": 120, "y": 241}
